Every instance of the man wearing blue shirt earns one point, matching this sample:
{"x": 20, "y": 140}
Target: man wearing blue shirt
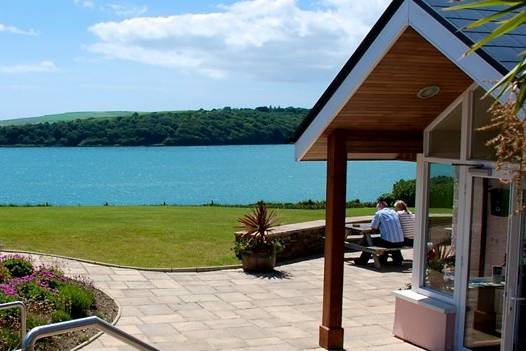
{"x": 387, "y": 223}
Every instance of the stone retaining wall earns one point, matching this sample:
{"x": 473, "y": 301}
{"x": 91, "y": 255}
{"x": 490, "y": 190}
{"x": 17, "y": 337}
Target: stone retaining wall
{"x": 304, "y": 239}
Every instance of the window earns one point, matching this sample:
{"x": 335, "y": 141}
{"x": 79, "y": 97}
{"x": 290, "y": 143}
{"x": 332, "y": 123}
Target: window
{"x": 486, "y": 264}
{"x": 481, "y": 118}
{"x": 440, "y": 232}
{"x": 444, "y": 138}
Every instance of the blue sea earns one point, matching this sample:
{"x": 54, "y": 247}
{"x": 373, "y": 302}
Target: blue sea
{"x": 179, "y": 175}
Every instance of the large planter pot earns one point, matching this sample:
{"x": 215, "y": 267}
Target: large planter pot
{"x": 259, "y": 260}
{"x": 436, "y": 279}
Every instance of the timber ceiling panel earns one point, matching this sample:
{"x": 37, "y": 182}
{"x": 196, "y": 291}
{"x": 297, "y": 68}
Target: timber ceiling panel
{"x": 385, "y": 110}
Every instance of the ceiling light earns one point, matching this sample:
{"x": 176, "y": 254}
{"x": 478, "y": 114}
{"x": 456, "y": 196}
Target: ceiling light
{"x": 428, "y": 92}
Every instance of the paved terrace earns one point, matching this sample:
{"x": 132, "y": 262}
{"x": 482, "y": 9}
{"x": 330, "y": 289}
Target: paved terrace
{"x": 231, "y": 310}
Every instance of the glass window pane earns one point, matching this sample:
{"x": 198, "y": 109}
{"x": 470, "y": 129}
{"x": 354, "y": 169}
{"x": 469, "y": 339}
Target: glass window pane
{"x": 442, "y": 187}
{"x": 487, "y": 264}
{"x": 444, "y": 138}
{"x": 481, "y": 118}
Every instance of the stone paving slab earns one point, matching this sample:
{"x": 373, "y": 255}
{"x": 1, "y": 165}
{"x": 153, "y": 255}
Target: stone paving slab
{"x": 231, "y": 310}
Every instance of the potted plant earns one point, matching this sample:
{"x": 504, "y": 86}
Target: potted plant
{"x": 254, "y": 246}
{"x": 439, "y": 258}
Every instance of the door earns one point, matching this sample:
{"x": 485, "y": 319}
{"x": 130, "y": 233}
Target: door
{"x": 483, "y": 304}
{"x": 517, "y": 298}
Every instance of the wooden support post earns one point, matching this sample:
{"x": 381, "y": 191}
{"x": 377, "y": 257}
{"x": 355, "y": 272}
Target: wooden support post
{"x": 331, "y": 331}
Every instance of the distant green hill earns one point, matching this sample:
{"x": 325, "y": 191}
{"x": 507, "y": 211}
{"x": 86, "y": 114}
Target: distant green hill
{"x": 68, "y": 116}
{"x": 227, "y": 126}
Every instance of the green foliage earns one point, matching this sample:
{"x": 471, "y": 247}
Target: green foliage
{"x": 9, "y": 340}
{"x": 439, "y": 257}
{"x": 77, "y": 299}
{"x": 269, "y": 125}
{"x": 9, "y": 316}
{"x": 388, "y": 198}
{"x": 5, "y": 274}
{"x": 441, "y": 192}
{"x": 18, "y": 267}
{"x": 257, "y": 225}
{"x": 300, "y": 205}
{"x": 35, "y": 320}
{"x": 31, "y": 290}
{"x": 62, "y": 117}
{"x": 6, "y": 298}
{"x": 60, "y": 316}
{"x": 248, "y": 245}
{"x": 405, "y": 190}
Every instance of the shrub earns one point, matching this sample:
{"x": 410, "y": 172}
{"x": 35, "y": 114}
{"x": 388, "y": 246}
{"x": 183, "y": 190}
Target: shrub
{"x": 50, "y": 278}
{"x": 405, "y": 190}
{"x": 442, "y": 189}
{"x": 31, "y": 290}
{"x": 387, "y": 197}
{"x": 6, "y": 298}
{"x": 60, "y": 316}
{"x": 18, "y": 266}
{"x": 9, "y": 340}
{"x": 9, "y": 317}
{"x": 5, "y": 274}
{"x": 78, "y": 300}
{"x": 34, "y": 320}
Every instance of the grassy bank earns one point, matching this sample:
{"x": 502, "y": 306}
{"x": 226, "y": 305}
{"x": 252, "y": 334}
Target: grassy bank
{"x": 146, "y": 236}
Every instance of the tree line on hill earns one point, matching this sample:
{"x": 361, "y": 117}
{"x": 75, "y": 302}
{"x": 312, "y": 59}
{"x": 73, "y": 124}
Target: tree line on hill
{"x": 227, "y": 126}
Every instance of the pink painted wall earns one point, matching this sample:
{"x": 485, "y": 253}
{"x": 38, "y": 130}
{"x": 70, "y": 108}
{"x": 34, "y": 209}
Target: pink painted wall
{"x": 423, "y": 326}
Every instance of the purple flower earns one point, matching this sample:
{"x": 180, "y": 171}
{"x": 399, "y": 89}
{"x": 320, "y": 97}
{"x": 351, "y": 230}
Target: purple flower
{"x": 15, "y": 257}
{"x": 7, "y": 289}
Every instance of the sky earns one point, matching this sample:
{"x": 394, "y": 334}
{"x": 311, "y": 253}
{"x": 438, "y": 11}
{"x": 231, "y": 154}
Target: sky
{"x": 154, "y": 55}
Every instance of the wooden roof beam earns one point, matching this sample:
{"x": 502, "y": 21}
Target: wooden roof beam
{"x": 367, "y": 141}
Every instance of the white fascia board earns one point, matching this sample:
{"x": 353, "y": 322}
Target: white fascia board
{"x": 452, "y": 47}
{"x": 383, "y": 42}
{"x": 409, "y": 14}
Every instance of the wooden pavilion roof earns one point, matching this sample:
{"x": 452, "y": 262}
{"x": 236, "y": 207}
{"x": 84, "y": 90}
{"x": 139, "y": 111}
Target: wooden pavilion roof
{"x": 385, "y": 119}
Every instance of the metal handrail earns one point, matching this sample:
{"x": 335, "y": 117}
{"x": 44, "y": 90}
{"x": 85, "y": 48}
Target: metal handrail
{"x": 44, "y": 331}
{"x": 23, "y": 315}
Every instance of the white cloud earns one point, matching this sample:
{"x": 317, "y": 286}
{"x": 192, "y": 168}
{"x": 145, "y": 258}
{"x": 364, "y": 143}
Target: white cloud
{"x": 264, "y": 39}
{"x": 123, "y": 10}
{"x": 15, "y": 30}
{"x": 40, "y": 67}
{"x": 88, "y": 4}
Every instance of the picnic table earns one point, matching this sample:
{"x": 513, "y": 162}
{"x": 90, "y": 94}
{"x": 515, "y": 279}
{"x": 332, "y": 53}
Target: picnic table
{"x": 361, "y": 231}
{"x": 360, "y": 238}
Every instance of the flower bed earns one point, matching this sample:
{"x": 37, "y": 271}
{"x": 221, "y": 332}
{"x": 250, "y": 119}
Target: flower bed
{"x": 50, "y": 297}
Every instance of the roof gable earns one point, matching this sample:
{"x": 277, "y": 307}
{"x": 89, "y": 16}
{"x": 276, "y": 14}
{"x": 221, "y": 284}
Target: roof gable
{"x": 438, "y": 27}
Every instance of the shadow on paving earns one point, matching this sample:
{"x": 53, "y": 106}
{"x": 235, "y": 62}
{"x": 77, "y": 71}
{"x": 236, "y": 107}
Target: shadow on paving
{"x": 389, "y": 267}
{"x": 274, "y": 275}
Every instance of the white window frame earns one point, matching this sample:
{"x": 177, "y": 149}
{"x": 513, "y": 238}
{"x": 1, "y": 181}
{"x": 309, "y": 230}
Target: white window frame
{"x": 423, "y": 162}
{"x": 420, "y": 248}
{"x": 514, "y": 226}
{"x": 464, "y": 163}
{"x": 468, "y": 168}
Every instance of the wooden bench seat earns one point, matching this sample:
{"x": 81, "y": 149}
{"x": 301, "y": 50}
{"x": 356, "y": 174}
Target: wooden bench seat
{"x": 375, "y": 251}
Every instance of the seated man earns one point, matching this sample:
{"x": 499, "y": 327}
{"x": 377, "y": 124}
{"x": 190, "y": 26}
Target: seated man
{"x": 387, "y": 223}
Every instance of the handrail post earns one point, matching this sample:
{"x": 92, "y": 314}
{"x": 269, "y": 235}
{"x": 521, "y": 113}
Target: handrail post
{"x": 23, "y": 315}
{"x": 43, "y": 331}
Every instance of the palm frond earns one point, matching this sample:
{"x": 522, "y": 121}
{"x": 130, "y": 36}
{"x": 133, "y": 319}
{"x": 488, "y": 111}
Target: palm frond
{"x": 259, "y": 222}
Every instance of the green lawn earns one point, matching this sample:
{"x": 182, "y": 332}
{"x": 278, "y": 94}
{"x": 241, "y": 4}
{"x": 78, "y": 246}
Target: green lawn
{"x": 138, "y": 236}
